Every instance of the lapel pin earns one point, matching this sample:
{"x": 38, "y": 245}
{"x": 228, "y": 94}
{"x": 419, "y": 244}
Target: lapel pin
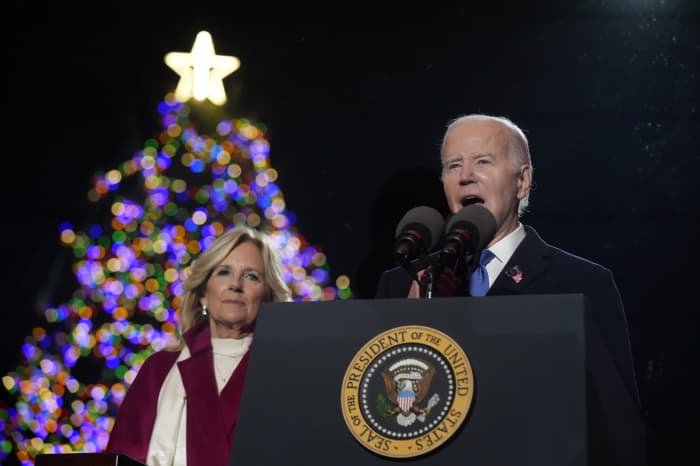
{"x": 515, "y": 273}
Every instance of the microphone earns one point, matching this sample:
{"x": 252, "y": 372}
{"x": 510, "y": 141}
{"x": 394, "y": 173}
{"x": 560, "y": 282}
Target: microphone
{"x": 468, "y": 231}
{"x": 417, "y": 233}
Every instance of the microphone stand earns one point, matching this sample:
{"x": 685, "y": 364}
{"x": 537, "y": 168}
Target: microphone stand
{"x": 426, "y": 285}
{"x": 433, "y": 265}
{"x": 430, "y": 264}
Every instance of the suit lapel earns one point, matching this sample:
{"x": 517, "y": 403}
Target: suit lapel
{"x": 526, "y": 264}
{"x": 205, "y": 421}
{"x": 230, "y": 397}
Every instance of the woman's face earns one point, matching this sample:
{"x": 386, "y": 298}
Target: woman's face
{"x": 234, "y": 292}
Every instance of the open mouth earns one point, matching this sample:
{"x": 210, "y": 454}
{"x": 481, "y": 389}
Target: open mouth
{"x": 469, "y": 200}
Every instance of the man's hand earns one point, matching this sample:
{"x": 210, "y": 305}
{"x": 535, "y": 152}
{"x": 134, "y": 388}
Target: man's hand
{"x": 448, "y": 284}
{"x": 414, "y": 291}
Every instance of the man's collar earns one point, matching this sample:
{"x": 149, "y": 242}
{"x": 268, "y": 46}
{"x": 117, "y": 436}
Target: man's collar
{"x": 506, "y": 246}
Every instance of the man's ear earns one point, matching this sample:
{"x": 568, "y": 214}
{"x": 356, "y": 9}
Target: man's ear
{"x": 524, "y": 180}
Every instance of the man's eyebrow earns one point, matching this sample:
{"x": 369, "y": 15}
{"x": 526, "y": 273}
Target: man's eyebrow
{"x": 454, "y": 158}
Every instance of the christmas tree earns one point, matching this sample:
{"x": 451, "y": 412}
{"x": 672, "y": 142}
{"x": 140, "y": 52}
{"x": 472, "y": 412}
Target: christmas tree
{"x": 160, "y": 209}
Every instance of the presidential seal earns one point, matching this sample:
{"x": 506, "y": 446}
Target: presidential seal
{"x": 407, "y": 391}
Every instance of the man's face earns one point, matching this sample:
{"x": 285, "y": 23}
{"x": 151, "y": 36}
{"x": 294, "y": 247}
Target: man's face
{"x": 477, "y": 168}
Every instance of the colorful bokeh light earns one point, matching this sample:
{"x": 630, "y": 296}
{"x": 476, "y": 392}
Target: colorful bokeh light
{"x": 162, "y": 208}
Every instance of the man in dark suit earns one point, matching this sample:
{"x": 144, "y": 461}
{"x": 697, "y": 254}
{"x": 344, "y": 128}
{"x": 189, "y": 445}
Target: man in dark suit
{"x": 486, "y": 160}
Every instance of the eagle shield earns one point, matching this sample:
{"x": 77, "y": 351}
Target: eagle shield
{"x": 407, "y": 383}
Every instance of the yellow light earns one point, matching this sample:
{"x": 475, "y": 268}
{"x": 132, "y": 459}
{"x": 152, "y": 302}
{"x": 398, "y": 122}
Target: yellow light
{"x": 67, "y": 236}
{"x": 202, "y": 71}
{"x": 342, "y": 282}
{"x": 254, "y": 220}
{"x": 8, "y": 382}
{"x": 114, "y": 176}
{"x": 170, "y": 275}
{"x": 234, "y": 170}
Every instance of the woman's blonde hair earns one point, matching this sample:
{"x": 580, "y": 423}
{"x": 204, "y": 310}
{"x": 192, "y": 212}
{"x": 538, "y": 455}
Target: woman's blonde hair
{"x": 195, "y": 284}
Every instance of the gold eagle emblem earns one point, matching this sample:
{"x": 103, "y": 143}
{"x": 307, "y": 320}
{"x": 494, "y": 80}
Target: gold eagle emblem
{"x": 407, "y": 383}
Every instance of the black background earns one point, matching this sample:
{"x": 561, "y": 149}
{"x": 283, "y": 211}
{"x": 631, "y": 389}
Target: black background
{"x": 356, "y": 102}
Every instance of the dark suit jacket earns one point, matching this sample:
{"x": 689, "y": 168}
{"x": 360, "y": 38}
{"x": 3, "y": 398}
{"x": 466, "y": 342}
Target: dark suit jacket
{"x": 211, "y": 417}
{"x": 545, "y": 269}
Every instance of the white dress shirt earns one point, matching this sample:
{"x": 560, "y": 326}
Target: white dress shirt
{"x": 503, "y": 250}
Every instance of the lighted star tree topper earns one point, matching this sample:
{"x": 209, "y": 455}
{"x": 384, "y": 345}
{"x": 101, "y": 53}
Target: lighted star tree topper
{"x": 202, "y": 71}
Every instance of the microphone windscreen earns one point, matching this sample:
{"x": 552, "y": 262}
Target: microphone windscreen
{"x": 426, "y": 220}
{"x": 478, "y": 220}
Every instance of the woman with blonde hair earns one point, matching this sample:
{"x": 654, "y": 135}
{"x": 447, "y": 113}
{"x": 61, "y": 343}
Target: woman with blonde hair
{"x": 182, "y": 407}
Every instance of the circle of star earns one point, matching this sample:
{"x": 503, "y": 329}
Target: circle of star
{"x": 202, "y": 71}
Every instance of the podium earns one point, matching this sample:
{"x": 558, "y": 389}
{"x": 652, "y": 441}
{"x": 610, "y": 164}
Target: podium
{"x": 545, "y": 390}
{"x": 85, "y": 459}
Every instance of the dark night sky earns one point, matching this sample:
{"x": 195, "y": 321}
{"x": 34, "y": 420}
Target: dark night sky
{"x": 356, "y": 103}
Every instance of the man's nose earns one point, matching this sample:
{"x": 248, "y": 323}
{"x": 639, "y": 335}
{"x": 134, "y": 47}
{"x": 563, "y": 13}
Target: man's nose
{"x": 466, "y": 174}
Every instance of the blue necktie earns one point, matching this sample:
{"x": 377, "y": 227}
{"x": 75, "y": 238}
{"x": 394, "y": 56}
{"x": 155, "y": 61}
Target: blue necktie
{"x": 479, "y": 280}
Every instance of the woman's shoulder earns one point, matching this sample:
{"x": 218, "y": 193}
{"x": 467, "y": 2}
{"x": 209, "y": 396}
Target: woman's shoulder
{"x": 159, "y": 363}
